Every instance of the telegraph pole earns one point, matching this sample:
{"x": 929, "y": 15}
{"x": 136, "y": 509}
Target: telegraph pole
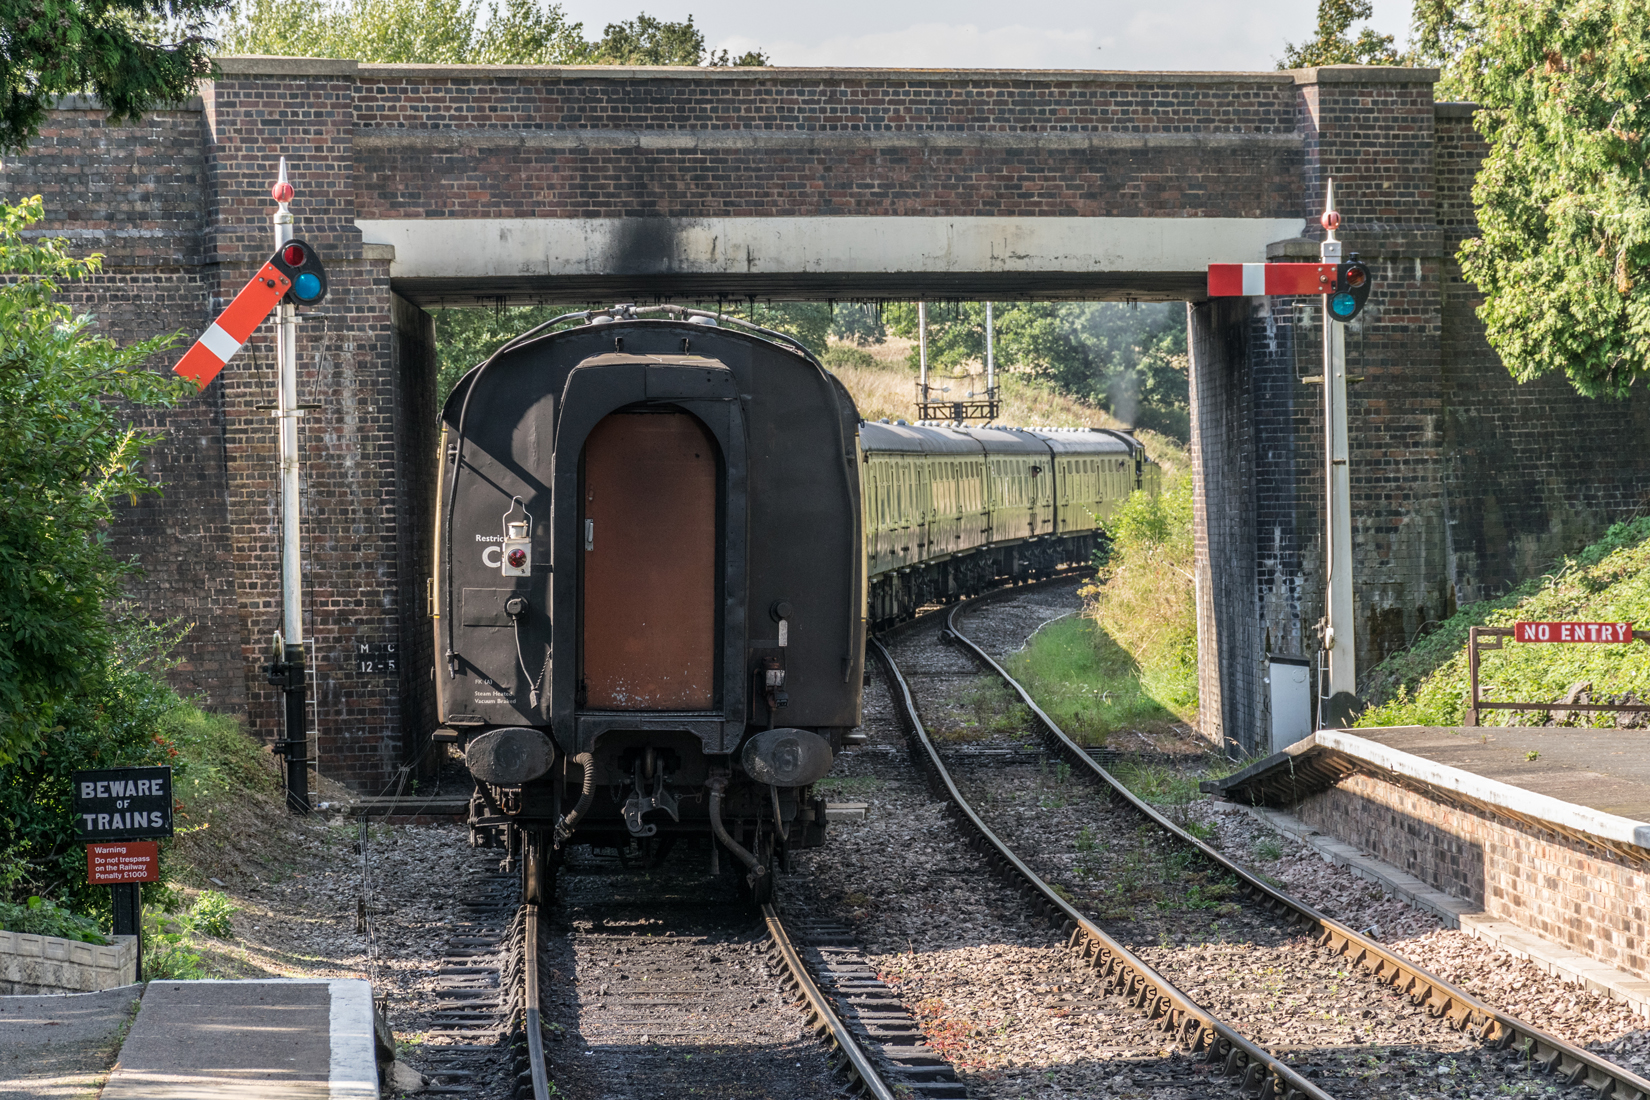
{"x": 287, "y": 671}
{"x": 1339, "y": 694}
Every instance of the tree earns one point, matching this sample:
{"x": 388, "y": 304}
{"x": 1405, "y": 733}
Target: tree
{"x": 460, "y": 32}
{"x": 131, "y": 54}
{"x": 1129, "y": 359}
{"x": 1563, "y": 198}
{"x": 1333, "y": 47}
{"x": 67, "y": 454}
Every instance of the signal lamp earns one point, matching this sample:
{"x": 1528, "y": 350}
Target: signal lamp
{"x": 299, "y": 263}
{"x": 1352, "y": 282}
{"x": 517, "y": 558}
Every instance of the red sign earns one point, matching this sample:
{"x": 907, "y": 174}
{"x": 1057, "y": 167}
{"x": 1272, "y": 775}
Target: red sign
{"x": 1572, "y": 632}
{"x": 125, "y": 861}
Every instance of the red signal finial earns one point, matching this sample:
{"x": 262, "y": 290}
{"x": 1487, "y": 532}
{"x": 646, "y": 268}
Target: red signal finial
{"x": 282, "y": 191}
{"x": 1331, "y": 220}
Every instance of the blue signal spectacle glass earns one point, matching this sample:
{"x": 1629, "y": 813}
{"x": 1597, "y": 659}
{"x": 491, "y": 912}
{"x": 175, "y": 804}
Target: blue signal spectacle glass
{"x": 1342, "y": 305}
{"x": 308, "y": 285}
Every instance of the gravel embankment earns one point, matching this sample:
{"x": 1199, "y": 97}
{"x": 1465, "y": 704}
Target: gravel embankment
{"x": 1567, "y": 1010}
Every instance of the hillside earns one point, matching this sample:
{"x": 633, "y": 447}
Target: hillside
{"x": 1608, "y": 581}
{"x": 882, "y": 385}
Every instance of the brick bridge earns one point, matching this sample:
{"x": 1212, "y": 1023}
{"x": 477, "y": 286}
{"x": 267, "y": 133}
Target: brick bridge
{"x": 426, "y": 184}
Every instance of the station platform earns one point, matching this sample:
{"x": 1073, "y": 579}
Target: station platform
{"x": 1543, "y": 828}
{"x": 293, "y": 1039}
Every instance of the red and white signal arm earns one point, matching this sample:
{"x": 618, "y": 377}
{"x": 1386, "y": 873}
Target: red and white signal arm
{"x": 1256, "y": 280}
{"x": 293, "y": 272}
{"x": 234, "y": 326}
{"x": 1573, "y": 632}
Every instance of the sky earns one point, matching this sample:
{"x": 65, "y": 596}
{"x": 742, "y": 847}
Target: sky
{"x": 1039, "y": 34}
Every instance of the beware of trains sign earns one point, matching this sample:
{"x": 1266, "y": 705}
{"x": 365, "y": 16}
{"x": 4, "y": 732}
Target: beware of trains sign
{"x": 123, "y": 803}
{"x": 1572, "y": 632}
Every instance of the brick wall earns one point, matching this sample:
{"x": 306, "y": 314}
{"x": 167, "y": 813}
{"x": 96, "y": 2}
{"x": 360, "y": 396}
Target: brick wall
{"x": 1223, "y": 444}
{"x": 1583, "y": 898}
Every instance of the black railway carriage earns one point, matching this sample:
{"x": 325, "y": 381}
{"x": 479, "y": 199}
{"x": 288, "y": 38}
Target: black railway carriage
{"x": 659, "y": 544}
{"x": 949, "y": 511}
{"x": 650, "y": 585}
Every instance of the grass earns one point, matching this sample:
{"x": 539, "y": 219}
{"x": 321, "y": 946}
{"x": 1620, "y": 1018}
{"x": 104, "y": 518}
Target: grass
{"x": 1086, "y": 682}
{"x": 1608, "y": 581}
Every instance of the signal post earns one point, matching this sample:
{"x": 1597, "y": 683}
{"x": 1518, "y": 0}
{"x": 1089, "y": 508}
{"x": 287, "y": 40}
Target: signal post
{"x": 1343, "y": 286}
{"x": 291, "y": 277}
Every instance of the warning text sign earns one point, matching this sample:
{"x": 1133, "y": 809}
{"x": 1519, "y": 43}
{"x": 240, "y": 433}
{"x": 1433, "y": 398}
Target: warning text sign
{"x": 131, "y": 861}
{"x": 123, "y": 803}
{"x": 1573, "y": 632}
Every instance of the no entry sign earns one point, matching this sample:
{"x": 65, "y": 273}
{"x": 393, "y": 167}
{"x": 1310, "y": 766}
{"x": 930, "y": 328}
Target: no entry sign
{"x": 1573, "y": 632}
{"x": 115, "y": 864}
{"x": 123, "y": 803}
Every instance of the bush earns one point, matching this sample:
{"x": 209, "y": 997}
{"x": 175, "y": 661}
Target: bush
{"x": 121, "y": 717}
{"x": 39, "y": 917}
{"x": 838, "y": 356}
{"x": 68, "y": 452}
{"x": 1145, "y": 599}
{"x": 1427, "y": 685}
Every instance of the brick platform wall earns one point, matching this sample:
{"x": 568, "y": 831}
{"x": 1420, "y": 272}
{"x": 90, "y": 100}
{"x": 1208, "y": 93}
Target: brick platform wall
{"x": 1586, "y": 900}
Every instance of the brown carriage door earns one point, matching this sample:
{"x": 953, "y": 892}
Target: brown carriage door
{"x": 649, "y": 551}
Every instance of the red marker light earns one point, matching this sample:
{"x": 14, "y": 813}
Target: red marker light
{"x": 517, "y": 558}
{"x": 1355, "y": 276}
{"x": 293, "y": 254}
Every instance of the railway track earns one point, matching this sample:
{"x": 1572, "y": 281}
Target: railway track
{"x": 679, "y": 990}
{"x": 1414, "y": 1024}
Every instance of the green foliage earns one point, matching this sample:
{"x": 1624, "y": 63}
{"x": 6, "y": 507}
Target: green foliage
{"x": 461, "y": 32}
{"x": 1608, "y": 581}
{"x": 807, "y": 322}
{"x": 1331, "y": 46}
{"x": 1145, "y": 599}
{"x": 67, "y": 454}
{"x": 166, "y": 952}
{"x": 1130, "y": 360}
{"x": 39, "y": 917}
{"x": 846, "y": 355}
{"x": 466, "y": 337}
{"x": 1085, "y": 681}
{"x": 859, "y": 323}
{"x": 132, "y": 54}
{"x": 211, "y": 915}
{"x": 1564, "y": 197}
{"x": 119, "y": 716}
{"x": 1158, "y": 784}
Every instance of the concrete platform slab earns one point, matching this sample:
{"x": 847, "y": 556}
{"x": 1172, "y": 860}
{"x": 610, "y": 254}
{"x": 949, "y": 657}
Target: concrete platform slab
{"x": 249, "y": 1040}
{"x": 1591, "y": 784}
{"x": 60, "y": 1047}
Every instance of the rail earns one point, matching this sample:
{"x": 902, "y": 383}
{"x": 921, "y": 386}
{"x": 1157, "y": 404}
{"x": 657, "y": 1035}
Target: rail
{"x": 1122, "y": 971}
{"x": 1441, "y": 999}
{"x": 822, "y": 1017}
